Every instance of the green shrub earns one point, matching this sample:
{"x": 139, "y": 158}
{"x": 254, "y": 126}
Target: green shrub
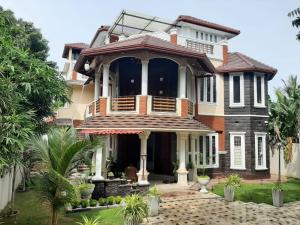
{"x": 154, "y": 192}
{"x": 233, "y": 181}
{"x": 84, "y": 203}
{"x": 118, "y": 199}
{"x": 93, "y": 203}
{"x": 75, "y": 204}
{"x": 135, "y": 209}
{"x": 110, "y": 200}
{"x": 102, "y": 201}
{"x": 91, "y": 221}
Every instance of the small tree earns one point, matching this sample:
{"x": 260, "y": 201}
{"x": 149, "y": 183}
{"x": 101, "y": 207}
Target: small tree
{"x": 56, "y": 155}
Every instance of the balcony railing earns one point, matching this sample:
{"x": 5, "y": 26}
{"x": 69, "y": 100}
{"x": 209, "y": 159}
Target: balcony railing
{"x": 92, "y": 109}
{"x": 163, "y": 104}
{"x": 124, "y": 103}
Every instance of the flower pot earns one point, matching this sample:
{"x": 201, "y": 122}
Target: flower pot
{"x": 229, "y": 194}
{"x": 153, "y": 205}
{"x": 203, "y": 181}
{"x": 277, "y": 196}
{"x": 86, "y": 193}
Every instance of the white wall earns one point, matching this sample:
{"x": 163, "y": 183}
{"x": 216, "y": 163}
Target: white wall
{"x": 291, "y": 169}
{"x": 6, "y": 186}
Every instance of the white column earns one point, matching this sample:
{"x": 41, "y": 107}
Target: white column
{"x": 98, "y": 165}
{"x": 97, "y": 86}
{"x": 194, "y": 143}
{"x": 182, "y": 81}
{"x": 143, "y": 173}
{"x": 145, "y": 77}
{"x": 182, "y": 172}
{"x": 105, "y": 80}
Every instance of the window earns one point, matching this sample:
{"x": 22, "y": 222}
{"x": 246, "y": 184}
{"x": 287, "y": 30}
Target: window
{"x": 197, "y": 34}
{"x": 208, "y": 151}
{"x": 237, "y": 150}
{"x": 202, "y": 36}
{"x": 260, "y": 151}
{"x": 216, "y": 39}
{"x": 259, "y": 90}
{"x": 206, "y": 37}
{"x": 207, "y": 89}
{"x": 236, "y": 90}
{"x": 210, "y": 37}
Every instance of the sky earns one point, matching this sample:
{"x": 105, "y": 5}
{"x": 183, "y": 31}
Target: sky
{"x": 266, "y": 31}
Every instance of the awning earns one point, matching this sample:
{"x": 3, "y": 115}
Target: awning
{"x": 106, "y": 132}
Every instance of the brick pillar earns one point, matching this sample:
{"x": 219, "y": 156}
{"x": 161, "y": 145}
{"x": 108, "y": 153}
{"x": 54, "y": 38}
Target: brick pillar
{"x": 173, "y": 36}
{"x": 103, "y": 106}
{"x": 225, "y": 54}
{"x": 184, "y": 107}
{"x": 143, "y": 104}
{"x": 74, "y": 75}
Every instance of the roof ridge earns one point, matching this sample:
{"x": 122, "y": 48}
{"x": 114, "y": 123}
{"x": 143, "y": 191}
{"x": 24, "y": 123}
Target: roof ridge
{"x": 243, "y": 57}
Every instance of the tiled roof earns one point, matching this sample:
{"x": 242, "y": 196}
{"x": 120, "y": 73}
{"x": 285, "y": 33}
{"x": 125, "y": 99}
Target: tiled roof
{"x": 144, "y": 42}
{"x": 79, "y": 45}
{"x": 238, "y": 62}
{"x": 204, "y": 23}
{"x": 139, "y": 122}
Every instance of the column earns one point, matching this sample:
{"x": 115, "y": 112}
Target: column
{"x": 182, "y": 81}
{"x": 97, "y": 86}
{"x": 105, "y": 80}
{"x": 98, "y": 164}
{"x": 182, "y": 172}
{"x": 194, "y": 144}
{"x": 143, "y": 173}
{"x": 145, "y": 77}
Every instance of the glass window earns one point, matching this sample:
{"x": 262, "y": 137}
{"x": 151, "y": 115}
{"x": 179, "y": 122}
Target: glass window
{"x": 258, "y": 88}
{"x": 201, "y": 153}
{"x": 214, "y": 89}
{"x": 202, "y": 36}
{"x": 208, "y": 150}
{"x": 208, "y": 89}
{"x": 197, "y": 34}
{"x": 237, "y": 150}
{"x": 260, "y": 150}
{"x": 216, "y": 39}
{"x": 236, "y": 89}
{"x": 210, "y": 37}
{"x": 206, "y": 37}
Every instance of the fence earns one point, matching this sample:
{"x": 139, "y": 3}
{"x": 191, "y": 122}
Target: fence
{"x": 6, "y": 186}
{"x": 291, "y": 169}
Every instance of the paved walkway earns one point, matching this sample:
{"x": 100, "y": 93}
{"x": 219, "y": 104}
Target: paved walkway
{"x": 191, "y": 207}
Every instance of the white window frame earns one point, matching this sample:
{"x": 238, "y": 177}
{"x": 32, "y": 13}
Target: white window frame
{"x": 231, "y": 91}
{"x": 243, "y": 165}
{"x": 210, "y": 165}
{"x": 205, "y": 90}
{"x": 264, "y": 151}
{"x": 263, "y": 101}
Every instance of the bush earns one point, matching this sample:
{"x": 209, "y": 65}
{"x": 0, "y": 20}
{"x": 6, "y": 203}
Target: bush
{"x": 118, "y": 199}
{"x": 135, "y": 209}
{"x": 93, "y": 203}
{"x": 75, "y": 204}
{"x": 110, "y": 200}
{"x": 233, "y": 181}
{"x": 84, "y": 203}
{"x": 102, "y": 201}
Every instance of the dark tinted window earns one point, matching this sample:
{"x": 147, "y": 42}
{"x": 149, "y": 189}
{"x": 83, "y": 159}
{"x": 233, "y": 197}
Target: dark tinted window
{"x": 258, "y": 89}
{"x": 236, "y": 89}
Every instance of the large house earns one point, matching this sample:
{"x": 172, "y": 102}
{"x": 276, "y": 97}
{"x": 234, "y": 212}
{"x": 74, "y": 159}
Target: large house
{"x": 170, "y": 91}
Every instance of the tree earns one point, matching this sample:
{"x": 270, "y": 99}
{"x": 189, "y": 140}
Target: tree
{"x": 284, "y": 125}
{"x": 57, "y": 154}
{"x": 296, "y": 21}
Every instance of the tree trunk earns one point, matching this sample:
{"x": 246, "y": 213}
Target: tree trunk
{"x": 13, "y": 187}
{"x": 54, "y": 217}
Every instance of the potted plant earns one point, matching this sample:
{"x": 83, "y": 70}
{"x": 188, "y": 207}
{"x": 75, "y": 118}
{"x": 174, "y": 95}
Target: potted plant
{"x": 190, "y": 168}
{"x": 86, "y": 190}
{"x": 153, "y": 199}
{"x": 203, "y": 181}
{"x": 110, "y": 175}
{"x": 134, "y": 210}
{"x": 277, "y": 195}
{"x": 232, "y": 183}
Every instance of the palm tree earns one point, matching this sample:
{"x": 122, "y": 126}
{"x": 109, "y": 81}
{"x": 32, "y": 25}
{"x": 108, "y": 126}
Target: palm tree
{"x": 57, "y": 154}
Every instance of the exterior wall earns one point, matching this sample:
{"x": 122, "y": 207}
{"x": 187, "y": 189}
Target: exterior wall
{"x": 6, "y": 186}
{"x": 246, "y": 119}
{"x": 80, "y": 99}
{"x": 291, "y": 169}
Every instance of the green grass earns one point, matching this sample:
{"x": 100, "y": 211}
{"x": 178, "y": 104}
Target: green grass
{"x": 262, "y": 193}
{"x": 33, "y": 212}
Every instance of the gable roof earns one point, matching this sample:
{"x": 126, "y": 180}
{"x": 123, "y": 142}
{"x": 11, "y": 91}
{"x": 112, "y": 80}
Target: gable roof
{"x": 204, "y": 23}
{"x": 78, "y": 45}
{"x": 143, "y": 42}
{"x": 238, "y": 62}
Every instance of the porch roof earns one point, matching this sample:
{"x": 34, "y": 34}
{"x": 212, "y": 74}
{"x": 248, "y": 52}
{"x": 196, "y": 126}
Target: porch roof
{"x": 143, "y": 42}
{"x": 141, "y": 123}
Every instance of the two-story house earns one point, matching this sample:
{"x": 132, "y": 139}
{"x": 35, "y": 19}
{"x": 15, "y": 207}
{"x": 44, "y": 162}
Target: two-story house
{"x": 168, "y": 91}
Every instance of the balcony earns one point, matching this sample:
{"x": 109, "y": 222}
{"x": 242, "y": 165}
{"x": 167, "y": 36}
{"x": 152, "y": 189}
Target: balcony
{"x": 140, "y": 105}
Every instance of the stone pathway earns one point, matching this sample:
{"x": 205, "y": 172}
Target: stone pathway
{"x": 208, "y": 209}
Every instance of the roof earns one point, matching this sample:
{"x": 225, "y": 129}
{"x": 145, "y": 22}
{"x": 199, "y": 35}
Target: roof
{"x": 142, "y": 42}
{"x": 79, "y": 46}
{"x": 204, "y": 23}
{"x": 147, "y": 122}
{"x": 238, "y": 62}
{"x": 100, "y": 29}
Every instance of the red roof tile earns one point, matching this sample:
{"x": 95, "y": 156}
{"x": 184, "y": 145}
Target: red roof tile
{"x": 79, "y": 45}
{"x": 238, "y": 62}
{"x": 138, "y": 122}
{"x": 204, "y": 23}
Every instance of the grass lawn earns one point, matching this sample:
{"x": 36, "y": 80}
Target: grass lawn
{"x": 33, "y": 212}
{"x": 262, "y": 193}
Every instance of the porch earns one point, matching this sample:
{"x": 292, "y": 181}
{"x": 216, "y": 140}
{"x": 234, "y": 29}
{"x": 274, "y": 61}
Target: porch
{"x": 151, "y": 144}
